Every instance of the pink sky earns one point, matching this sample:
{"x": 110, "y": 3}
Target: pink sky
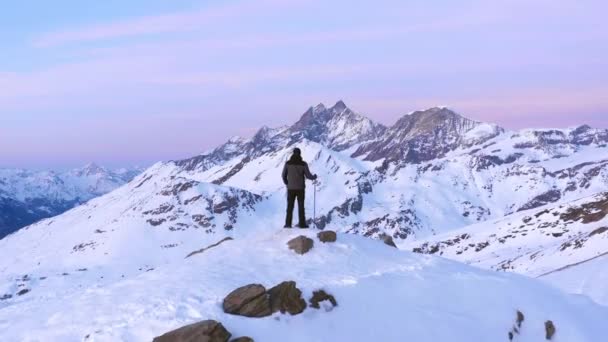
{"x": 148, "y": 81}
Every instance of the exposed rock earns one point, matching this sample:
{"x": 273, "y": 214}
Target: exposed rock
{"x": 243, "y": 339}
{"x": 550, "y": 196}
{"x": 301, "y": 244}
{"x": 22, "y": 292}
{"x": 286, "y": 297}
{"x": 520, "y": 318}
{"x": 387, "y": 239}
{"x": 249, "y": 301}
{"x": 599, "y": 230}
{"x": 321, "y": 296}
{"x": 549, "y": 330}
{"x": 592, "y": 211}
{"x": 210, "y": 246}
{"x": 207, "y": 331}
{"x": 327, "y": 236}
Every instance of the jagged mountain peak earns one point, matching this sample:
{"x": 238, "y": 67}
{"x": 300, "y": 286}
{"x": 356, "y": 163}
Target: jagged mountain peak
{"x": 340, "y": 106}
{"x": 93, "y": 169}
{"x": 427, "y": 134}
{"x": 337, "y": 127}
{"x": 90, "y": 169}
{"x": 434, "y": 117}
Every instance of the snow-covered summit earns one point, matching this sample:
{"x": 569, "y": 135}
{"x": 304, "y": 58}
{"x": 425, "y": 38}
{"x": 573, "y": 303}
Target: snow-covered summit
{"x": 337, "y": 127}
{"x": 426, "y": 135}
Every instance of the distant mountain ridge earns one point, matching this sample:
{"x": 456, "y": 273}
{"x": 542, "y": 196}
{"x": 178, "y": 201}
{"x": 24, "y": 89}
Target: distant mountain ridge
{"x": 432, "y": 171}
{"x": 27, "y": 196}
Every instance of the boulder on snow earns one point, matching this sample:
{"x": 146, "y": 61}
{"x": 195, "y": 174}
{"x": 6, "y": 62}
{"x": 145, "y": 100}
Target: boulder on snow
{"x": 286, "y": 297}
{"x": 549, "y": 330}
{"x": 321, "y": 296}
{"x": 327, "y": 236}
{"x": 22, "y": 292}
{"x": 243, "y": 339}
{"x": 387, "y": 239}
{"x": 300, "y": 244}
{"x": 249, "y": 301}
{"x": 208, "y": 331}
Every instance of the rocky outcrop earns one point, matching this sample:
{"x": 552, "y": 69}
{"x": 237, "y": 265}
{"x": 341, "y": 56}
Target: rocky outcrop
{"x": 300, "y": 244}
{"x": 388, "y": 240}
{"x": 254, "y": 301}
{"x": 322, "y": 296}
{"x": 549, "y": 330}
{"x": 210, "y": 246}
{"x": 286, "y": 297}
{"x": 327, "y": 236}
{"x": 207, "y": 331}
{"x": 22, "y": 292}
{"x": 249, "y": 301}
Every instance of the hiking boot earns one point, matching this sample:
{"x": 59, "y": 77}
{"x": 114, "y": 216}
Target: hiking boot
{"x": 287, "y": 226}
{"x": 303, "y": 226}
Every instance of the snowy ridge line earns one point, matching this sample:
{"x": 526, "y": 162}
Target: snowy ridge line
{"x": 572, "y": 265}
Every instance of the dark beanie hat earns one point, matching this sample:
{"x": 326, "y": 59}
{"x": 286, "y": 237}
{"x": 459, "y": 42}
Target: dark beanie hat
{"x": 297, "y": 151}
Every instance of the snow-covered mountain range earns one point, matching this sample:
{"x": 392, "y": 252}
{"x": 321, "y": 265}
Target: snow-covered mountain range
{"x": 120, "y": 258}
{"x": 27, "y": 196}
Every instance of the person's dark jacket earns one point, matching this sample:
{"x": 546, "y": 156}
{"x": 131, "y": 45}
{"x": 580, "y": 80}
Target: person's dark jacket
{"x": 295, "y": 173}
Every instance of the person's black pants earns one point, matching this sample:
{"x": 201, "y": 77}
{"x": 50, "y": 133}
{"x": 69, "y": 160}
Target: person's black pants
{"x": 292, "y": 195}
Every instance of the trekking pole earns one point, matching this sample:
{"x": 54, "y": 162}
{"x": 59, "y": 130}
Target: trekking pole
{"x": 314, "y": 206}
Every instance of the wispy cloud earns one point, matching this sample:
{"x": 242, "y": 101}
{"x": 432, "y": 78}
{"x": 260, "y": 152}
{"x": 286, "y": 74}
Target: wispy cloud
{"x": 165, "y": 23}
{"x": 508, "y": 61}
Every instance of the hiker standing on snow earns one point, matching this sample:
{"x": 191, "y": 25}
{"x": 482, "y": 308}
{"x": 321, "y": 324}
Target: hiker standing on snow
{"x": 295, "y": 173}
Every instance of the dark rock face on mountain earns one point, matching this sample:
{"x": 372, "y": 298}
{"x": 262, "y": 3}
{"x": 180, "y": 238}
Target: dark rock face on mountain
{"x": 423, "y": 136}
{"x": 208, "y": 331}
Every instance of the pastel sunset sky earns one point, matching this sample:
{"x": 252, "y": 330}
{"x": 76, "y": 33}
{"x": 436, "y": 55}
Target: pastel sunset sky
{"x": 128, "y": 82}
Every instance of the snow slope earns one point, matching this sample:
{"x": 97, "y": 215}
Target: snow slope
{"x": 383, "y": 294}
{"x": 588, "y": 278}
{"x": 564, "y": 244}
